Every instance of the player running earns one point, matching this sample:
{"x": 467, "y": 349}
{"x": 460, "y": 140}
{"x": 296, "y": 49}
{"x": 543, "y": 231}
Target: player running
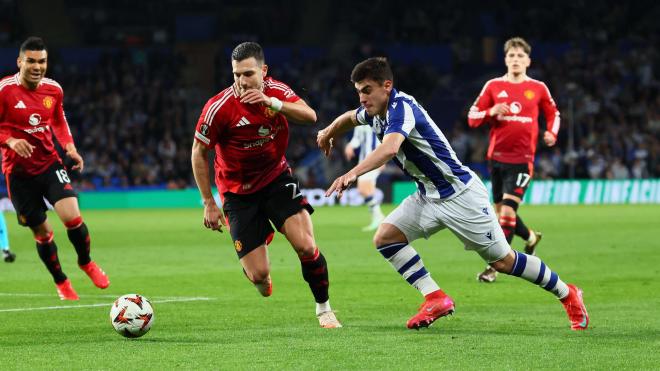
{"x": 449, "y": 195}
{"x": 31, "y": 112}
{"x": 510, "y": 104}
{"x": 364, "y": 140}
{"x": 247, "y": 125}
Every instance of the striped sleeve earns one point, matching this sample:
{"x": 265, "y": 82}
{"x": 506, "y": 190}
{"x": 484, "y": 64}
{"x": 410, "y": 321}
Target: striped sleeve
{"x": 207, "y": 128}
{"x": 401, "y": 118}
{"x": 281, "y": 91}
{"x": 362, "y": 117}
{"x": 478, "y": 113}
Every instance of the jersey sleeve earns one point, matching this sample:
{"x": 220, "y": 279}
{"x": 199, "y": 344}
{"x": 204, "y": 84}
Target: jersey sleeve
{"x": 478, "y": 114}
{"x": 550, "y": 111}
{"x": 401, "y": 118}
{"x": 60, "y": 124}
{"x": 282, "y": 92}
{"x": 362, "y": 117}
{"x": 206, "y": 131}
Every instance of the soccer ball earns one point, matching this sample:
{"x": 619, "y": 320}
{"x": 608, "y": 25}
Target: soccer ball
{"x": 132, "y": 315}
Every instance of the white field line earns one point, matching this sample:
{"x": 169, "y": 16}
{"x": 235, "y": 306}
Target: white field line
{"x": 85, "y": 296}
{"x": 170, "y": 300}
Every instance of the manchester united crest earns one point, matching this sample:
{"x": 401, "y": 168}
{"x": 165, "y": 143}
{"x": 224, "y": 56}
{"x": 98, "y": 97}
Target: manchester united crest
{"x": 48, "y": 102}
{"x": 529, "y": 94}
{"x": 238, "y": 245}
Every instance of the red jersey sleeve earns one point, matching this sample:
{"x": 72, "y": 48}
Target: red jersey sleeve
{"x": 207, "y": 129}
{"x": 550, "y": 111}
{"x": 281, "y": 91}
{"x": 478, "y": 114}
{"x": 60, "y": 125}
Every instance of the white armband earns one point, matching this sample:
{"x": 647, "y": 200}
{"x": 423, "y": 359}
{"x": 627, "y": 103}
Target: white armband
{"x": 275, "y": 104}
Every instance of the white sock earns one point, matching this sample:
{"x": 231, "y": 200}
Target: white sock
{"x": 532, "y": 269}
{"x": 407, "y": 262}
{"x": 532, "y": 238}
{"x": 323, "y": 307}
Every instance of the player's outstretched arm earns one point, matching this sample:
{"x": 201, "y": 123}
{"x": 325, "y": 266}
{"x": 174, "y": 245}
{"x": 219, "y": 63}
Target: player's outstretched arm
{"x": 212, "y": 215}
{"x": 326, "y": 137}
{"x": 383, "y": 153}
{"x": 297, "y": 111}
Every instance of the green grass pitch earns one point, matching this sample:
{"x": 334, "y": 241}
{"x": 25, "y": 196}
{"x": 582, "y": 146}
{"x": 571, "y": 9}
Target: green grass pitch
{"x": 612, "y": 252}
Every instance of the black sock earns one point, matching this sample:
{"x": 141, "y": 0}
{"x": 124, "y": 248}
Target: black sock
{"x": 79, "y": 237}
{"x": 48, "y": 254}
{"x": 521, "y": 229}
{"x": 315, "y": 272}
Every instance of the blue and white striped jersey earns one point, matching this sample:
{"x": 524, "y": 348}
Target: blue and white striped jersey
{"x": 364, "y": 139}
{"x": 425, "y": 155}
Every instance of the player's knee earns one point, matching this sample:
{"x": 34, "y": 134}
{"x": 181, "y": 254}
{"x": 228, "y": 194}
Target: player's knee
{"x": 387, "y": 234}
{"x": 306, "y": 249}
{"x": 259, "y": 275}
{"x": 504, "y": 265}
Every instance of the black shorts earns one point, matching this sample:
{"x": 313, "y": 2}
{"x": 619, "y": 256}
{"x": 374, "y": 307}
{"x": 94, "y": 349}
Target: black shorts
{"x": 511, "y": 179}
{"x": 249, "y": 215}
{"x": 27, "y": 193}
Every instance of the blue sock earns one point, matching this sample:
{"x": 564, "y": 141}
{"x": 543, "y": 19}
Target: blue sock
{"x": 532, "y": 269}
{"x": 409, "y": 265}
{"x": 4, "y": 236}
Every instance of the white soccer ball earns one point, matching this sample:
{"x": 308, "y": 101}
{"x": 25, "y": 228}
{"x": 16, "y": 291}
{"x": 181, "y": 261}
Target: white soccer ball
{"x": 132, "y": 315}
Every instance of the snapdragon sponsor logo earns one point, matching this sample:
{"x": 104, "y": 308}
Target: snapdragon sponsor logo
{"x": 41, "y": 129}
{"x": 523, "y": 119}
{"x": 258, "y": 143}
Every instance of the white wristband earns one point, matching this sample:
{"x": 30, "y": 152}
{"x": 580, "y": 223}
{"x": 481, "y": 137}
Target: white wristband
{"x": 275, "y": 104}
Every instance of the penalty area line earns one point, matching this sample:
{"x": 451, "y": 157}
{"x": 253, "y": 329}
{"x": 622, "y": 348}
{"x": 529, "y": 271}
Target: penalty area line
{"x": 56, "y": 307}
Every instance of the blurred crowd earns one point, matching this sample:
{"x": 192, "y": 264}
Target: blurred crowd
{"x": 133, "y": 111}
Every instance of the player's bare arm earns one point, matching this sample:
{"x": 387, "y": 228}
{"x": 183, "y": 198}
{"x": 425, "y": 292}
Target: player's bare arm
{"x": 72, "y": 152}
{"x": 326, "y": 137}
{"x": 379, "y": 157}
{"x": 213, "y": 218}
{"x": 20, "y": 146}
{"x": 297, "y": 111}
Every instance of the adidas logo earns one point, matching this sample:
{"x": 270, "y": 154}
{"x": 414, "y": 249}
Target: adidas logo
{"x": 243, "y": 121}
{"x": 20, "y": 104}
{"x": 503, "y": 94}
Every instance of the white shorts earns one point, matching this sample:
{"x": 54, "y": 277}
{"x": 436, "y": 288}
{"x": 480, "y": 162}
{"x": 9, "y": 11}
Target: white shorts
{"x": 370, "y": 176}
{"x": 469, "y": 215}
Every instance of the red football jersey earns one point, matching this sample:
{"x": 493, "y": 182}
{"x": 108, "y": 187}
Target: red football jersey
{"x": 33, "y": 115}
{"x": 250, "y": 139}
{"x": 513, "y": 136}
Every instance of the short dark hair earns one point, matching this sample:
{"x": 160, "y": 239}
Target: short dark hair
{"x": 33, "y": 43}
{"x": 376, "y": 69}
{"x": 246, "y": 50}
